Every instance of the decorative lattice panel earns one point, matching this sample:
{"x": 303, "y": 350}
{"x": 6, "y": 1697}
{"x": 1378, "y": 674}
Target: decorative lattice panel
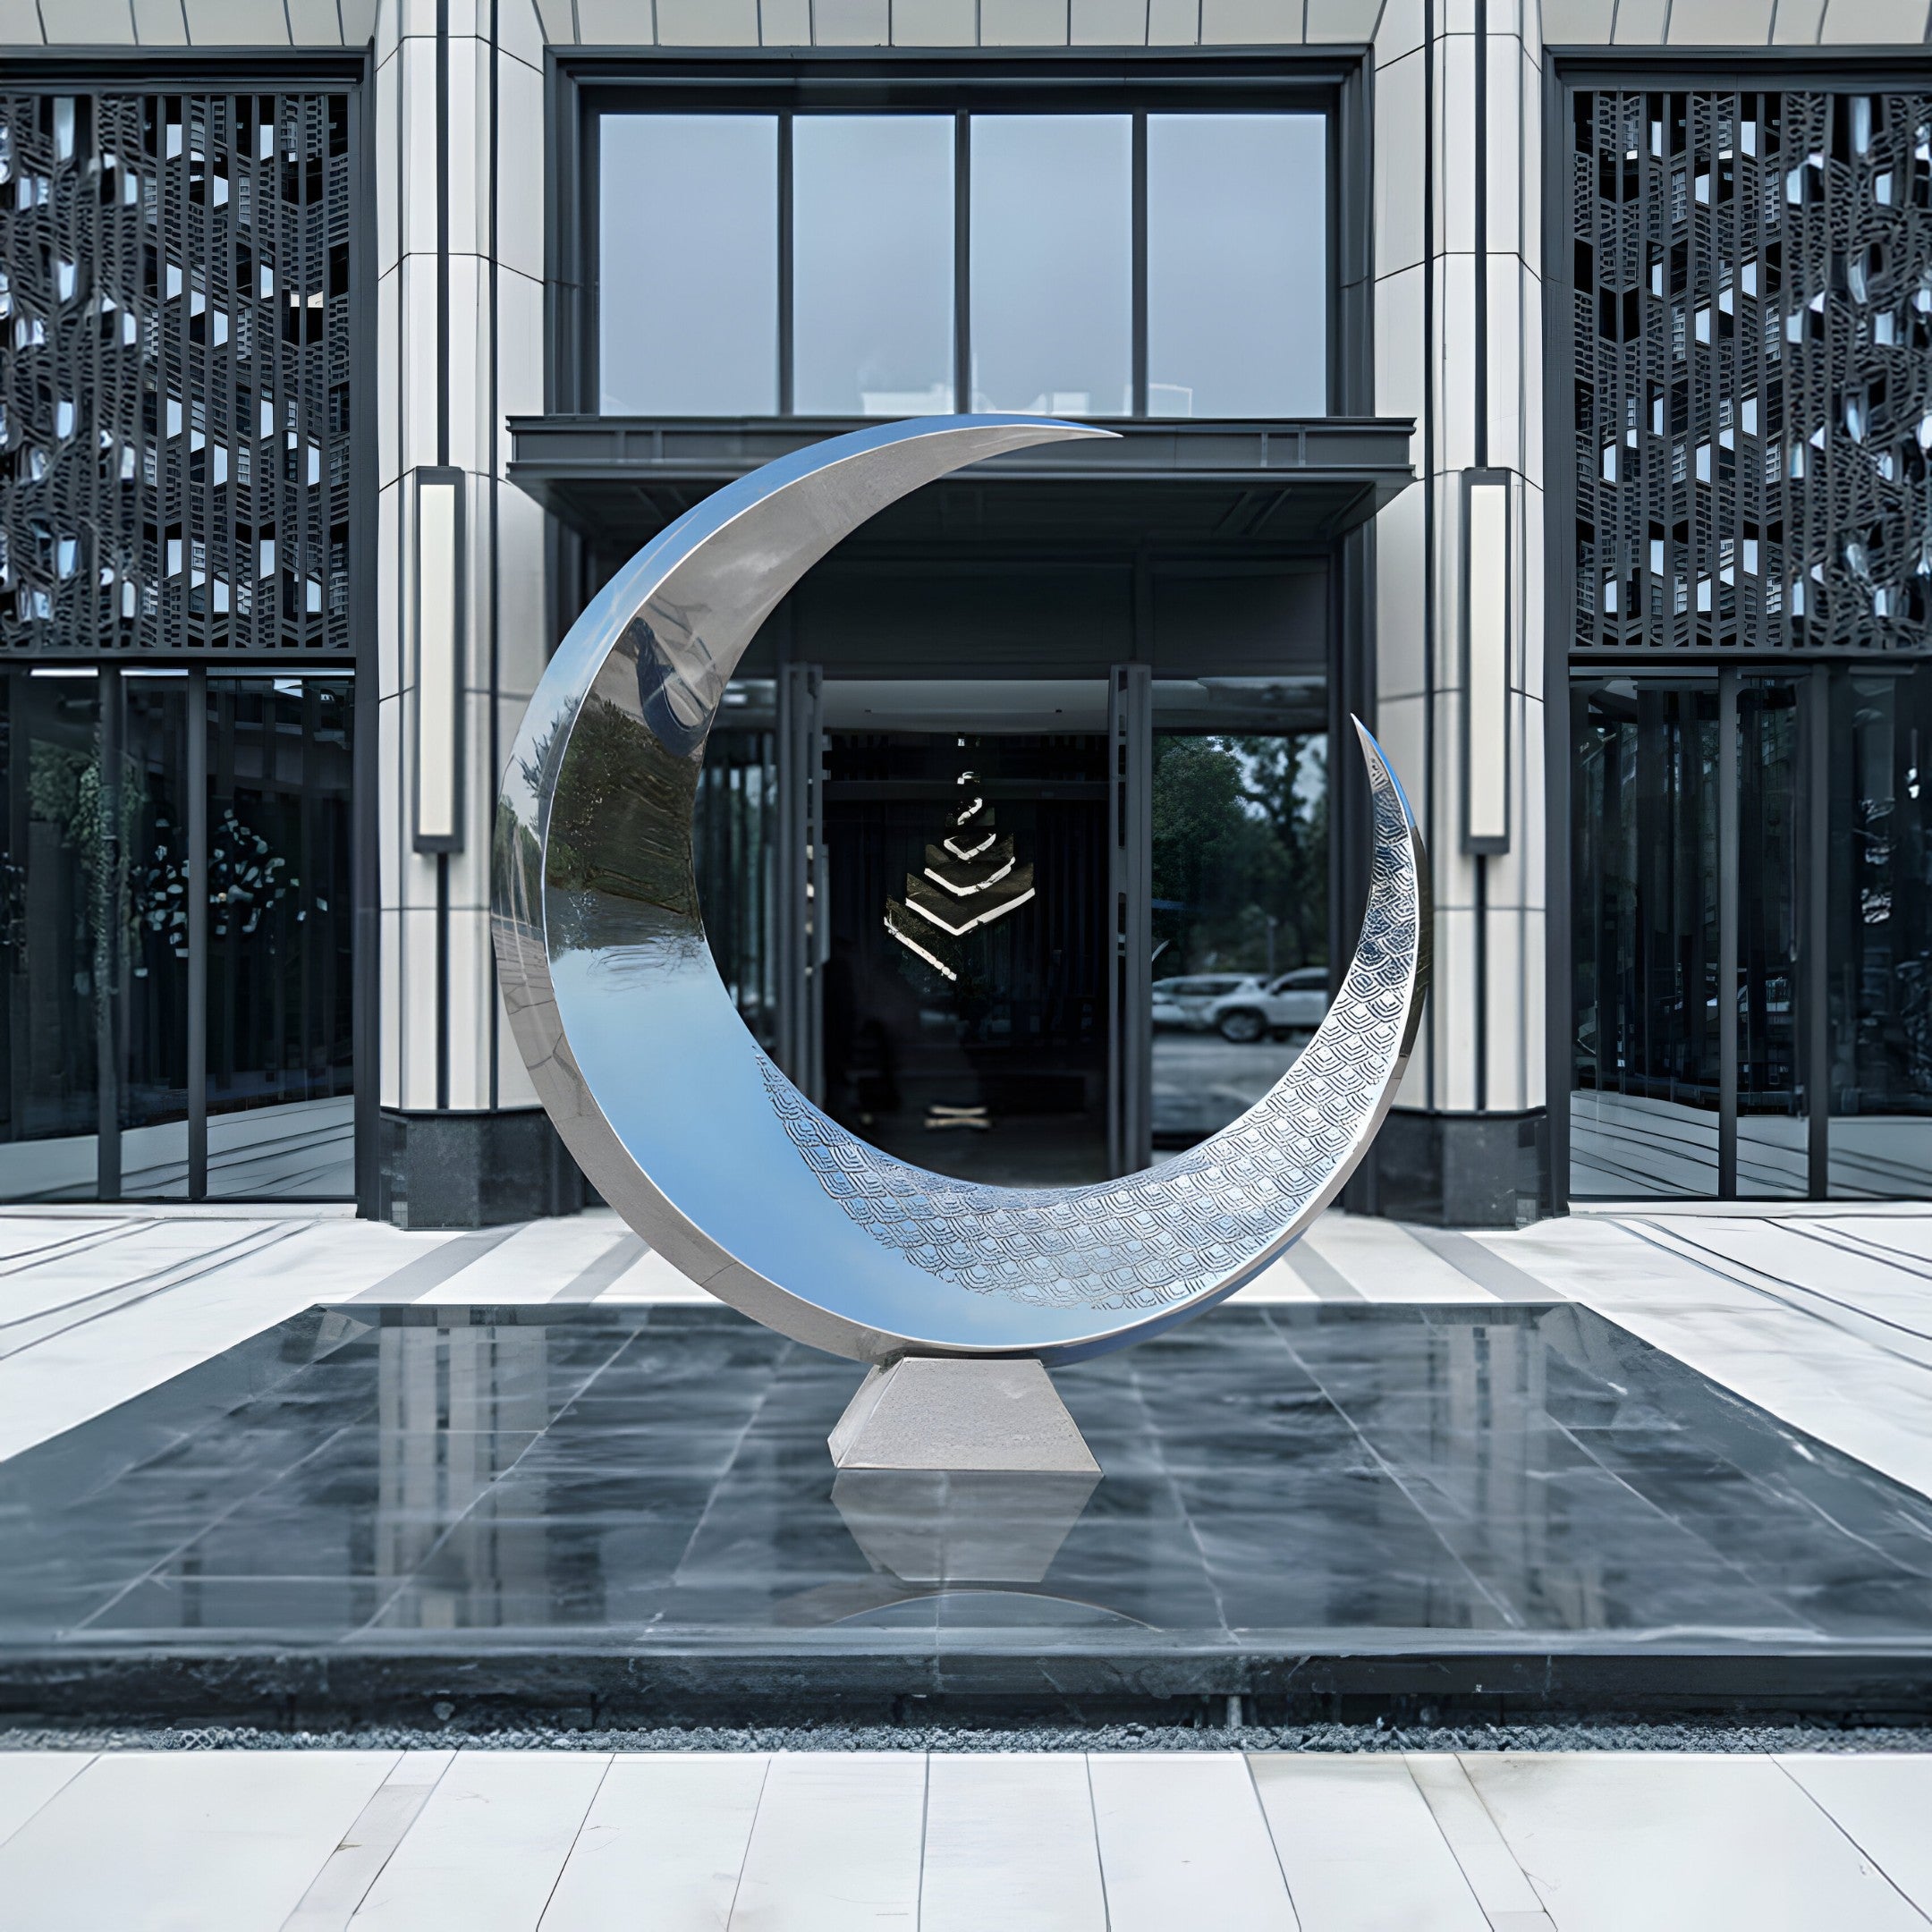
{"x": 175, "y": 294}
{"x": 1752, "y": 290}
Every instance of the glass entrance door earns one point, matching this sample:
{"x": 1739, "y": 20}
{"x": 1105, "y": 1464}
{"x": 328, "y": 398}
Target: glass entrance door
{"x": 1027, "y": 952}
{"x": 965, "y": 963}
{"x": 1751, "y": 957}
{"x": 179, "y": 935}
{"x": 1240, "y": 958}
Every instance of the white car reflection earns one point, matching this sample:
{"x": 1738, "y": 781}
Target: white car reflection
{"x": 1296, "y": 1002}
{"x": 1184, "y": 1002}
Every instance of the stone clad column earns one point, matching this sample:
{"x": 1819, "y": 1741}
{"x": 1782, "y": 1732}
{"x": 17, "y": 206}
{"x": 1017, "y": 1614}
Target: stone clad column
{"x": 459, "y": 161}
{"x": 1459, "y": 331}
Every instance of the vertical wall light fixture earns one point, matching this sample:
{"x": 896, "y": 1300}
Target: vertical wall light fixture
{"x": 1486, "y": 661}
{"x": 439, "y": 659}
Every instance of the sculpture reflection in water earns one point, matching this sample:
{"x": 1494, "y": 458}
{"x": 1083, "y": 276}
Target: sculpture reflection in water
{"x": 715, "y": 1157}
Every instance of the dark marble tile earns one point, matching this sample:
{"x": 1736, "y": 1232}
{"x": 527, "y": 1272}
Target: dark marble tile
{"x": 191, "y": 1605}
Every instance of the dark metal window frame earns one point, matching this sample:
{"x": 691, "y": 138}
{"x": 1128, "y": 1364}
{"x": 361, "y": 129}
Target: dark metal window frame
{"x": 1567, "y": 72}
{"x": 586, "y": 83}
{"x": 186, "y": 70}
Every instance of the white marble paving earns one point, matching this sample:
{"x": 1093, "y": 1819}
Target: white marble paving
{"x": 473, "y": 1841}
{"x": 30, "y": 1780}
{"x": 1816, "y": 1368}
{"x": 836, "y": 1844}
{"x": 342, "y": 1885}
{"x": 544, "y": 1254}
{"x": 160, "y": 1842}
{"x": 1359, "y": 1847}
{"x": 1386, "y": 1263}
{"x": 486, "y": 1851}
{"x": 1883, "y": 1805}
{"x": 1682, "y": 1843}
{"x": 1184, "y": 1841}
{"x": 664, "y": 1844}
{"x": 1009, "y": 1842}
{"x": 1503, "y": 1890}
{"x": 74, "y": 1372}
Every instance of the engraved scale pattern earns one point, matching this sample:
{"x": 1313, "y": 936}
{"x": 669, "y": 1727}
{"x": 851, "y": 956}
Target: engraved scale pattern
{"x": 1751, "y": 314}
{"x": 1157, "y": 1239}
{"x": 175, "y": 289}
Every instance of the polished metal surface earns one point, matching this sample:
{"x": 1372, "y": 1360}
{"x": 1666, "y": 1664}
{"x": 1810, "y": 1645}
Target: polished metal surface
{"x": 688, "y": 1129}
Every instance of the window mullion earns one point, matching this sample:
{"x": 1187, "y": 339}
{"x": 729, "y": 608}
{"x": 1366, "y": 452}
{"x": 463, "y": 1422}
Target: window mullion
{"x": 785, "y": 199}
{"x": 1139, "y": 244}
{"x": 962, "y": 395}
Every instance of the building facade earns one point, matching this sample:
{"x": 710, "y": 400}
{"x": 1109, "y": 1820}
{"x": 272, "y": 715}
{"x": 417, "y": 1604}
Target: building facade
{"x": 1552, "y": 388}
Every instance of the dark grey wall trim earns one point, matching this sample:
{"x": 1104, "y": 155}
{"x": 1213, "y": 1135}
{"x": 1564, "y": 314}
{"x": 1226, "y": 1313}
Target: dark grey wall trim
{"x": 1558, "y": 454}
{"x": 363, "y": 520}
{"x": 149, "y": 69}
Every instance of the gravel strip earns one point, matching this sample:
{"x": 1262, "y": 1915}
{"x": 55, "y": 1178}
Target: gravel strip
{"x": 1605, "y": 1735}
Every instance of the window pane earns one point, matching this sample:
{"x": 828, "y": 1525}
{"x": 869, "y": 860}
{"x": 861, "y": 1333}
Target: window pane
{"x": 153, "y": 937}
{"x": 872, "y": 236}
{"x": 281, "y": 1038}
{"x": 1879, "y": 968}
{"x": 1053, "y": 264}
{"x": 58, "y": 948}
{"x": 1772, "y": 1105}
{"x": 688, "y": 264}
{"x": 1237, "y": 265}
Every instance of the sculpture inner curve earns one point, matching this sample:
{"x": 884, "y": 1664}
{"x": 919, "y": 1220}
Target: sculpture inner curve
{"x": 1152, "y": 1240}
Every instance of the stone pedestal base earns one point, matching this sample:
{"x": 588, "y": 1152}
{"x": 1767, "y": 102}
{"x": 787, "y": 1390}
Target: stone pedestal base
{"x": 942, "y": 1412}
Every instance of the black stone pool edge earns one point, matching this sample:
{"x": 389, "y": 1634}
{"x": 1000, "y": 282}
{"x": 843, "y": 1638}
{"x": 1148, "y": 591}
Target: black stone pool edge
{"x": 495, "y": 1685}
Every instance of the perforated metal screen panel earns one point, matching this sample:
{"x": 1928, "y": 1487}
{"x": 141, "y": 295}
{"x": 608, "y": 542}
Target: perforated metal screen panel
{"x": 175, "y": 390}
{"x": 1752, "y": 290}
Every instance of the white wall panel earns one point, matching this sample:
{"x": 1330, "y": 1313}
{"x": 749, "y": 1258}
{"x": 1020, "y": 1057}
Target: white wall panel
{"x": 935, "y": 22}
{"x": 156, "y": 22}
{"x": 1401, "y": 126}
{"x": 520, "y": 166}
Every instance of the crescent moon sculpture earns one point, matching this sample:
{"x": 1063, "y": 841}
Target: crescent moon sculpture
{"x": 686, "y": 1128}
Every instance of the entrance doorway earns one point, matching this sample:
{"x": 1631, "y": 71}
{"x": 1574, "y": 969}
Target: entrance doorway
{"x": 1105, "y": 944}
{"x": 1751, "y": 934}
{"x": 966, "y": 974}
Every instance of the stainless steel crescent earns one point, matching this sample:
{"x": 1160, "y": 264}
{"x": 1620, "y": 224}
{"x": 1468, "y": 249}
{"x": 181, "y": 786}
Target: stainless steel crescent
{"x": 702, "y": 1145}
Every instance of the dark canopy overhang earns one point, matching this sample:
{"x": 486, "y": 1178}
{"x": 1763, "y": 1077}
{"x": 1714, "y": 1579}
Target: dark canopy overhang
{"x": 617, "y": 480}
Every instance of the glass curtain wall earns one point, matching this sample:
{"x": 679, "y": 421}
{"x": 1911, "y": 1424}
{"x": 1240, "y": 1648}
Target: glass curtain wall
{"x": 165, "y": 1041}
{"x": 1752, "y": 935}
{"x": 758, "y": 264}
